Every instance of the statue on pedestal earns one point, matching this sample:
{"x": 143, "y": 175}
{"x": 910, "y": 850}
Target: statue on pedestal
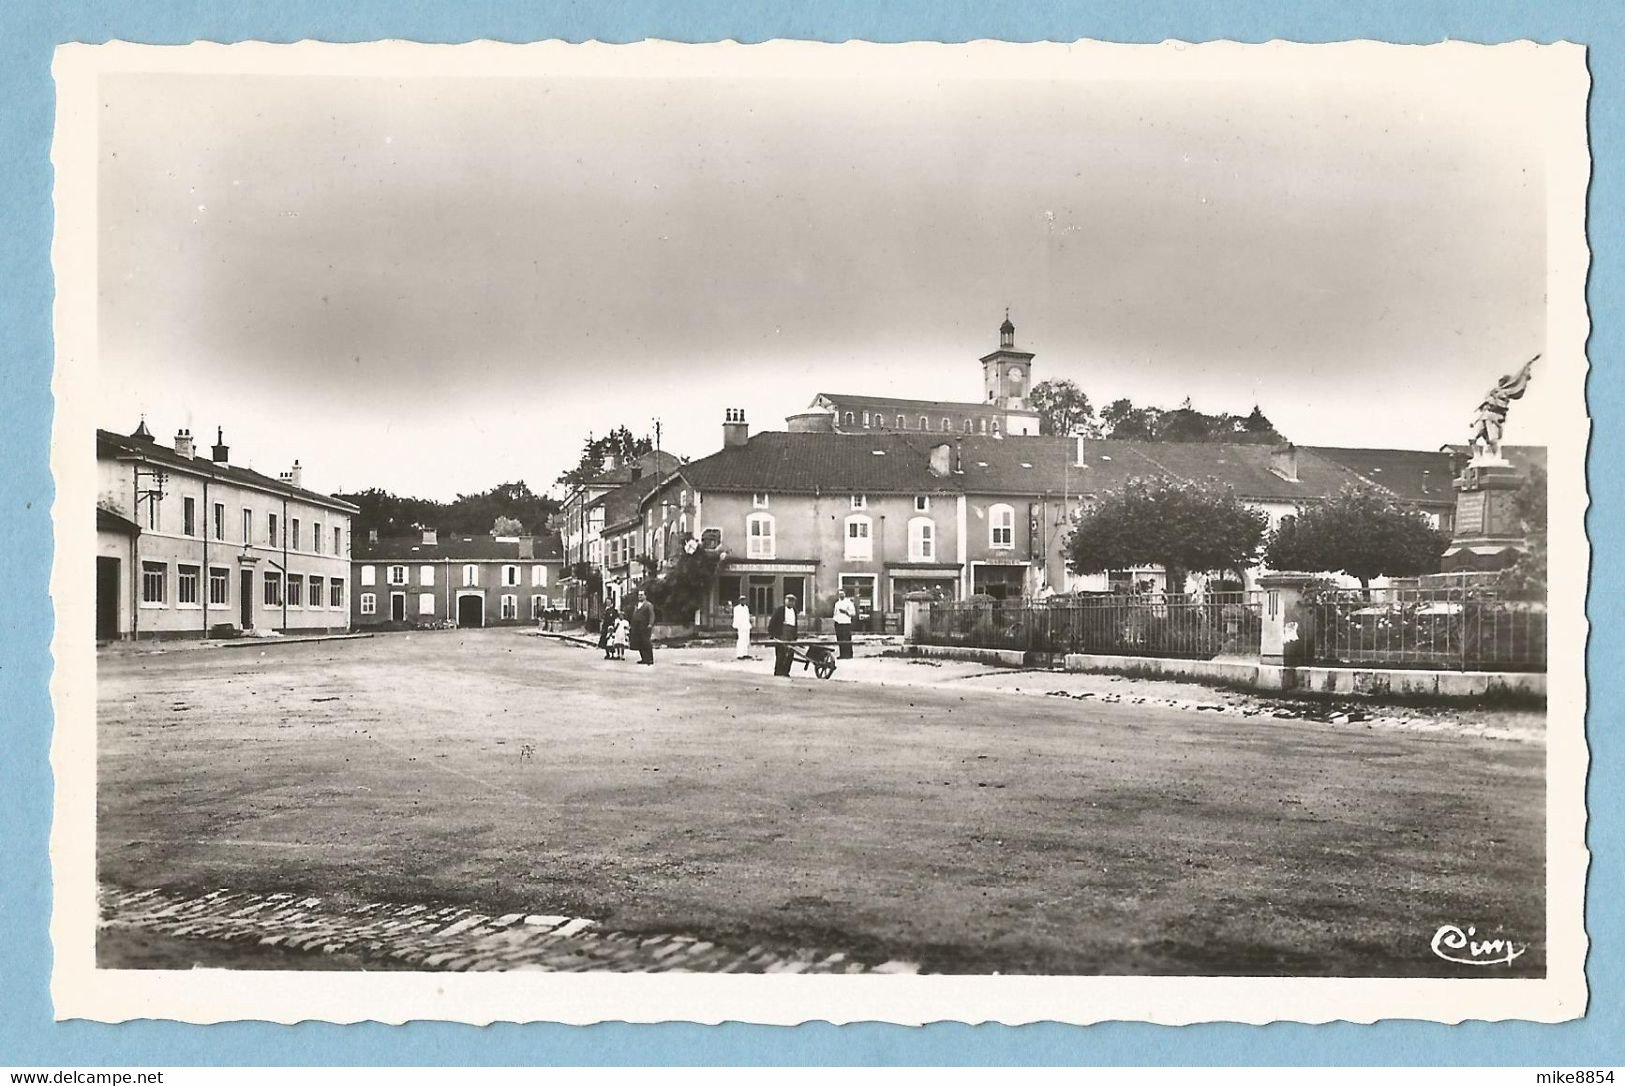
{"x": 1490, "y": 421}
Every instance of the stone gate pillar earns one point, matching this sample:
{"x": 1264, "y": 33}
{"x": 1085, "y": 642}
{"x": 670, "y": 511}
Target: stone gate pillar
{"x": 1288, "y": 625}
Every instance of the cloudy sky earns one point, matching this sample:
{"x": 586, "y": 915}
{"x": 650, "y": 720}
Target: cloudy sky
{"x": 438, "y": 284}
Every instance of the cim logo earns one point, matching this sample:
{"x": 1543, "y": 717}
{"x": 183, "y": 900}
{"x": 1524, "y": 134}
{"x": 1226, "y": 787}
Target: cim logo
{"x": 1454, "y": 945}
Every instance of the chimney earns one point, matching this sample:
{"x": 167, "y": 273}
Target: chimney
{"x": 1284, "y": 461}
{"x": 222, "y": 451}
{"x": 527, "y": 547}
{"x": 431, "y": 537}
{"x": 372, "y": 535}
{"x": 294, "y": 476}
{"x": 183, "y": 443}
{"x": 1077, "y": 451}
{"x": 735, "y": 430}
{"x": 612, "y": 460}
{"x": 959, "y": 457}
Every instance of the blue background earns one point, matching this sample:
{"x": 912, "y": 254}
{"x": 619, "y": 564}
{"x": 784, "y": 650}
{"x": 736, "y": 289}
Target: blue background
{"x": 28, "y": 34}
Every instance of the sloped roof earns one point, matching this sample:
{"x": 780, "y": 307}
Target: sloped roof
{"x": 928, "y": 406}
{"x": 457, "y": 548}
{"x": 651, "y": 463}
{"x": 877, "y": 462}
{"x": 111, "y": 445}
{"x": 1415, "y": 475}
{"x": 621, "y": 505}
{"x": 109, "y": 521}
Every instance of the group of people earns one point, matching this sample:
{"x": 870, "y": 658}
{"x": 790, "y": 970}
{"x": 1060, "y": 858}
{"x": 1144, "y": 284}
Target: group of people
{"x": 618, "y": 630}
{"x": 784, "y": 625}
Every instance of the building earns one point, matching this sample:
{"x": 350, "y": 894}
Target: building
{"x": 888, "y": 512}
{"x": 431, "y": 579}
{"x": 581, "y": 524}
{"x": 189, "y": 544}
{"x": 1007, "y": 378}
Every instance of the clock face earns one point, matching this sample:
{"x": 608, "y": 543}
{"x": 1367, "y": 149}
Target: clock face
{"x": 1015, "y": 374}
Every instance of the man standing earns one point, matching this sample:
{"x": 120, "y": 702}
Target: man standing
{"x": 742, "y": 629}
{"x": 846, "y": 613}
{"x": 782, "y": 627}
{"x": 643, "y": 621}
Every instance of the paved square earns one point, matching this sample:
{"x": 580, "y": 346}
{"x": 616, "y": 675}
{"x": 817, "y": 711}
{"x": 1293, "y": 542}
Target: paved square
{"x": 941, "y": 825}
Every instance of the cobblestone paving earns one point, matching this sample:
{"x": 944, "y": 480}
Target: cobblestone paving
{"x": 451, "y": 938}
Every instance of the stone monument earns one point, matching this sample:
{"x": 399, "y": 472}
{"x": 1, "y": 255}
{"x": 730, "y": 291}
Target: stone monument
{"x": 1488, "y": 532}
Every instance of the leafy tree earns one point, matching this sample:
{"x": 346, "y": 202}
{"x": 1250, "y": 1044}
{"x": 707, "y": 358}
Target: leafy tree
{"x": 1063, "y": 409}
{"x": 594, "y": 450}
{"x": 473, "y": 514}
{"x": 1121, "y": 419}
{"x": 1528, "y": 574}
{"x": 1360, "y": 531}
{"x": 507, "y": 526}
{"x": 1181, "y": 526}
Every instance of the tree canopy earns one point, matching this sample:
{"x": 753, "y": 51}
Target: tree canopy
{"x": 1360, "y": 531}
{"x": 1180, "y": 526}
{"x": 1528, "y": 574}
{"x": 471, "y": 514}
{"x": 1123, "y": 419}
{"x": 594, "y": 450}
{"x": 1063, "y": 409}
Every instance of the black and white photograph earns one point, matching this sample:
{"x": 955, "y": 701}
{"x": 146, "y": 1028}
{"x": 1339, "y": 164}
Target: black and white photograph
{"x": 783, "y": 532}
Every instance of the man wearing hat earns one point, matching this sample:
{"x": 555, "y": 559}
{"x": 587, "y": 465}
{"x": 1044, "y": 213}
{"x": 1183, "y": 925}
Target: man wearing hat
{"x": 782, "y": 627}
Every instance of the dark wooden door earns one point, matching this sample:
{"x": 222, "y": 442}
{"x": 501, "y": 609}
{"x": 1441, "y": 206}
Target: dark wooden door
{"x": 107, "y": 598}
{"x": 246, "y": 604}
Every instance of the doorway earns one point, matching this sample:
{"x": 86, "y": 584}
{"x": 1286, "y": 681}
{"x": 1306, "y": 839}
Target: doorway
{"x": 471, "y": 610}
{"x": 397, "y": 607}
{"x": 246, "y": 603}
{"x": 107, "y": 598}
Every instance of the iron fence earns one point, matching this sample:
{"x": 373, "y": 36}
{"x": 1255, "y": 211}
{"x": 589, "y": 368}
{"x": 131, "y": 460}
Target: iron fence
{"x": 1197, "y": 626}
{"x": 1469, "y": 628}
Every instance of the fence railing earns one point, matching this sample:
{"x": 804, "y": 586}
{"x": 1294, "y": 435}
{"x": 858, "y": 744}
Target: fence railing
{"x": 1463, "y": 629}
{"x": 1190, "y": 626}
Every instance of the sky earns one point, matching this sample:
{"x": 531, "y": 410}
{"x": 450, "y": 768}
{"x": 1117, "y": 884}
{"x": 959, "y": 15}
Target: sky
{"x": 434, "y": 285}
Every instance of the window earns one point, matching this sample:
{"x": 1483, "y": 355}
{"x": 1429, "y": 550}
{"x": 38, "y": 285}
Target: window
{"x": 538, "y": 574}
{"x": 922, "y": 540}
{"x": 186, "y": 585}
{"x": 219, "y": 520}
{"x": 335, "y": 593}
{"x": 849, "y": 418}
{"x": 922, "y": 503}
{"x": 981, "y": 428}
{"x": 425, "y": 603}
{"x": 860, "y": 501}
{"x": 758, "y": 501}
{"x": 968, "y": 426}
{"x": 925, "y": 423}
{"x": 866, "y": 420}
{"x": 270, "y": 530}
{"x": 859, "y": 545}
{"x": 538, "y": 604}
{"x": 471, "y": 576}
{"x": 293, "y": 533}
{"x": 152, "y": 513}
{"x": 273, "y": 589}
{"x": 369, "y": 575}
{"x": 248, "y": 526}
{"x": 314, "y": 599}
{"x": 369, "y": 603}
{"x": 219, "y": 586}
{"x": 426, "y": 575}
{"x": 338, "y": 540}
{"x": 154, "y": 579}
{"x": 510, "y": 607}
{"x": 316, "y": 537}
{"x": 995, "y": 427}
{"x": 759, "y": 536}
{"x": 1001, "y": 521}
{"x": 189, "y": 516}
{"x": 902, "y": 424}
{"x": 510, "y": 576}
{"x": 296, "y": 590}
{"x": 397, "y": 574}
{"x": 946, "y": 425}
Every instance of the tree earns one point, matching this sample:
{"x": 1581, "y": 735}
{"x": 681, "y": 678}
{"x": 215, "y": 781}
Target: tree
{"x": 594, "y": 450}
{"x": 1063, "y": 409}
{"x": 1178, "y": 525}
{"x": 1123, "y": 420}
{"x": 473, "y": 514}
{"x": 507, "y": 526}
{"x": 1528, "y": 573}
{"x": 1360, "y": 531}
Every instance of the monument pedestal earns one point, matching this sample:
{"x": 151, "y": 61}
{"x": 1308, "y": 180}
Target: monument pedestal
{"x": 1488, "y": 532}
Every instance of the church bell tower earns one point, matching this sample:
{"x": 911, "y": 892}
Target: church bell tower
{"x": 1007, "y": 373}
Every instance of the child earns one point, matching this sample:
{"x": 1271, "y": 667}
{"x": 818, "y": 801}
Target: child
{"x": 621, "y": 636}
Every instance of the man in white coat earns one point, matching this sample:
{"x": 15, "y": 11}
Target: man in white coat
{"x": 742, "y": 628}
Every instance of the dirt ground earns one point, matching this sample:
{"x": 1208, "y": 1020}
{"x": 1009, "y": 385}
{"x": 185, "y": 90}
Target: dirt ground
{"x": 898, "y": 811}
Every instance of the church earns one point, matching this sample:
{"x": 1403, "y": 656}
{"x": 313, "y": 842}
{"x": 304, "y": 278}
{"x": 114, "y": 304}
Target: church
{"x": 1007, "y": 377}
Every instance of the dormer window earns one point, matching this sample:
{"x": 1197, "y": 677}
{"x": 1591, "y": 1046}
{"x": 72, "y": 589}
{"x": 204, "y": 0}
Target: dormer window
{"x": 860, "y": 501}
{"x": 758, "y": 501}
